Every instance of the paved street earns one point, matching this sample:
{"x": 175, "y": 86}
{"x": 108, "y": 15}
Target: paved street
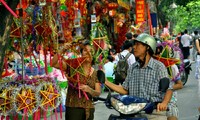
{"x": 188, "y": 101}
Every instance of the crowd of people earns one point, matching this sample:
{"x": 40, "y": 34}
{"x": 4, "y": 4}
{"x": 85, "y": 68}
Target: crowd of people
{"x": 143, "y": 78}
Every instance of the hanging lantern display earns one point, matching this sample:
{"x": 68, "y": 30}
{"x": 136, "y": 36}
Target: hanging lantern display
{"x": 49, "y": 96}
{"x": 6, "y": 100}
{"x": 112, "y": 5}
{"x": 112, "y": 8}
{"x": 100, "y": 41}
{"x": 25, "y": 100}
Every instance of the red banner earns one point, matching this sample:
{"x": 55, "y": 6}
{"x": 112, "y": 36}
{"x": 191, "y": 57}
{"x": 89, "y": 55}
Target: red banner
{"x": 140, "y": 10}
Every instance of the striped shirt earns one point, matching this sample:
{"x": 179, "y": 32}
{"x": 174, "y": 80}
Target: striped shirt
{"x": 144, "y": 82}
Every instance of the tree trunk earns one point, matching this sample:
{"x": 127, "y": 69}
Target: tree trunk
{"x": 6, "y": 21}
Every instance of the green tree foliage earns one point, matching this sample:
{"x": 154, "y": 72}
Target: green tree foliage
{"x": 183, "y": 17}
{"x": 194, "y": 14}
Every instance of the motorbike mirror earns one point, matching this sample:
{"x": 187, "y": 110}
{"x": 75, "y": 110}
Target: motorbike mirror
{"x": 101, "y": 76}
{"x": 164, "y": 84}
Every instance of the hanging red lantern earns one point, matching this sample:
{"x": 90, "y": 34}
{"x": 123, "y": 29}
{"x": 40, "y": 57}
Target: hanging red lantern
{"x": 112, "y": 5}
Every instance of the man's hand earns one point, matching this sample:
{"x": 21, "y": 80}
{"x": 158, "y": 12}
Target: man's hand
{"x": 161, "y": 107}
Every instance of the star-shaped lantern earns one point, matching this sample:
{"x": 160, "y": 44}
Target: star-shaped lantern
{"x": 99, "y": 39}
{"x": 167, "y": 60}
{"x": 6, "y": 101}
{"x": 50, "y": 97}
{"x": 25, "y": 100}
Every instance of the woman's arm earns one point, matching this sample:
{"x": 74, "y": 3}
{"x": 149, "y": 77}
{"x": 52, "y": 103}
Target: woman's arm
{"x": 55, "y": 60}
{"x": 56, "y": 64}
{"x": 117, "y": 88}
{"x": 94, "y": 92}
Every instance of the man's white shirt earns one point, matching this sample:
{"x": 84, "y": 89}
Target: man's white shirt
{"x": 130, "y": 60}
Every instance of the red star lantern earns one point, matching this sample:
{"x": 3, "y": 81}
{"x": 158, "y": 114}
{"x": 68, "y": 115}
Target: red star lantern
{"x": 167, "y": 61}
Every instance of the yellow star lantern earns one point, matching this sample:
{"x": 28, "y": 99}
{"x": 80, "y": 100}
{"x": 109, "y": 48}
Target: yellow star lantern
{"x": 6, "y": 101}
{"x": 50, "y": 97}
{"x": 25, "y": 100}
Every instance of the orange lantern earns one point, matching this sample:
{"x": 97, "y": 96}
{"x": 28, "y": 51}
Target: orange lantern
{"x": 112, "y": 5}
{"x": 112, "y": 13}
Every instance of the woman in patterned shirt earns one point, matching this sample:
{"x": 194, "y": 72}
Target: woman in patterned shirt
{"x": 80, "y": 108}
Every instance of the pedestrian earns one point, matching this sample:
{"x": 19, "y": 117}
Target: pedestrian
{"x": 197, "y": 72}
{"x": 109, "y": 67}
{"x": 125, "y": 54}
{"x": 145, "y": 76}
{"x": 194, "y": 51}
{"x": 185, "y": 40}
{"x": 129, "y": 36}
{"x": 80, "y": 108}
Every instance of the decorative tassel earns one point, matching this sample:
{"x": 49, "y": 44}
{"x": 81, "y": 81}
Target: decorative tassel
{"x": 79, "y": 91}
{"x": 39, "y": 115}
{"x": 7, "y": 118}
{"x": 31, "y": 65}
{"x": 2, "y": 117}
{"x": 50, "y": 56}
{"x": 45, "y": 113}
{"x": 60, "y": 63}
{"x": 86, "y": 96}
{"x": 6, "y": 64}
{"x": 38, "y": 64}
{"x": 16, "y": 117}
{"x": 34, "y": 115}
{"x": 51, "y": 115}
{"x": 61, "y": 110}
{"x": 45, "y": 61}
{"x": 56, "y": 114}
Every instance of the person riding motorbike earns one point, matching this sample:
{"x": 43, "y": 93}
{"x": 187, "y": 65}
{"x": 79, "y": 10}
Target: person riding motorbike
{"x": 145, "y": 77}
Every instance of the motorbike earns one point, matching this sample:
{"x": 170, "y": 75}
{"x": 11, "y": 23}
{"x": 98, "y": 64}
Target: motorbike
{"x": 186, "y": 71}
{"x": 130, "y": 107}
